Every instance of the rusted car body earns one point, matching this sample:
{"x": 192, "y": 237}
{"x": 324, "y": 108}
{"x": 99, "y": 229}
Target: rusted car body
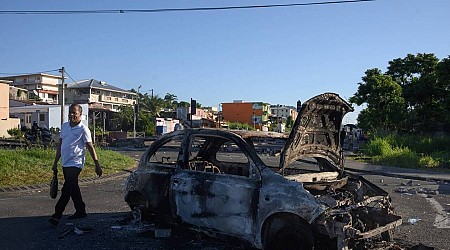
{"x": 261, "y": 187}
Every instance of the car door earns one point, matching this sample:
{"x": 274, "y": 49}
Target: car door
{"x": 218, "y": 188}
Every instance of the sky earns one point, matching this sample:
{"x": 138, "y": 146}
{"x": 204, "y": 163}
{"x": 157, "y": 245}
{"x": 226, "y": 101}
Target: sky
{"x": 274, "y": 55}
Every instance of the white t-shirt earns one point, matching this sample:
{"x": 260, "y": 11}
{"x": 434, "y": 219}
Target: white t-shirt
{"x": 73, "y": 144}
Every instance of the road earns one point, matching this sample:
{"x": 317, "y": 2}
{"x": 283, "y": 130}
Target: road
{"x": 109, "y": 225}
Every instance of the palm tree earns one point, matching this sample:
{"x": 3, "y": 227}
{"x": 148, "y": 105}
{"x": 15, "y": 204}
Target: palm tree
{"x": 153, "y": 104}
{"x": 170, "y": 100}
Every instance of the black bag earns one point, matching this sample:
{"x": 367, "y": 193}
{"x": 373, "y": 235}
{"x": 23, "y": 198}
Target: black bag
{"x": 54, "y": 186}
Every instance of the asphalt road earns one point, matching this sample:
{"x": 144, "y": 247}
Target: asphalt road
{"x": 109, "y": 225}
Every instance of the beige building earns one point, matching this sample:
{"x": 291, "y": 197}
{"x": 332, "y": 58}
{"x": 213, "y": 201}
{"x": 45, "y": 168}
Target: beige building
{"x": 99, "y": 93}
{"x": 6, "y": 122}
{"x": 41, "y": 87}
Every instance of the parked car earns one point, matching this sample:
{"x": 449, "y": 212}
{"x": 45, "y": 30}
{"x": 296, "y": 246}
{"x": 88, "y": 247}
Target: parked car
{"x": 297, "y": 197}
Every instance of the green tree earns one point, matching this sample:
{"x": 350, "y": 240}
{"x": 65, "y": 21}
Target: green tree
{"x": 125, "y": 118}
{"x": 152, "y": 104}
{"x": 170, "y": 101}
{"x": 145, "y": 123}
{"x": 385, "y": 105}
{"x": 289, "y": 122}
{"x": 421, "y": 90}
{"x": 184, "y": 104}
{"x": 443, "y": 81}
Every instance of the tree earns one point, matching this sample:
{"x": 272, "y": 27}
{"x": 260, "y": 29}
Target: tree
{"x": 385, "y": 105}
{"x": 443, "y": 81}
{"x": 145, "y": 123}
{"x": 289, "y": 122}
{"x": 125, "y": 118}
{"x": 152, "y": 104}
{"x": 421, "y": 90}
{"x": 184, "y": 104}
{"x": 171, "y": 101}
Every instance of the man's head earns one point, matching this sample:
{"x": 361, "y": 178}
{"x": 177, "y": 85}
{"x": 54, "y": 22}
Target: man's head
{"x": 75, "y": 112}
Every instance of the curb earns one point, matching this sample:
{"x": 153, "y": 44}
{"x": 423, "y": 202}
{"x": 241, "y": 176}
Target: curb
{"x": 41, "y": 187}
{"x": 402, "y": 176}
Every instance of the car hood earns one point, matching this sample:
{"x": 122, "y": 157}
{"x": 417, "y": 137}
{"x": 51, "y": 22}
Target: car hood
{"x": 316, "y": 132}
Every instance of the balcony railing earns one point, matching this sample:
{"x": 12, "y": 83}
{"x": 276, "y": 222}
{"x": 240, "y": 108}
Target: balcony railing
{"x": 118, "y": 100}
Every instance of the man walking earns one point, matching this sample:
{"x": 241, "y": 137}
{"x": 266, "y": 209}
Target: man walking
{"x": 75, "y": 137}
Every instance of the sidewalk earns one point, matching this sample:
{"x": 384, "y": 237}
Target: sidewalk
{"x": 416, "y": 174}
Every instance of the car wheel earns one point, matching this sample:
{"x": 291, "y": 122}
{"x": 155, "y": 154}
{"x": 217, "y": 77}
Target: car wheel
{"x": 295, "y": 236}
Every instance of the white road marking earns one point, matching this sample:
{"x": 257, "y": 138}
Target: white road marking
{"x": 442, "y": 220}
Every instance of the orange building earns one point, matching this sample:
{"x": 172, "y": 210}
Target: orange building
{"x": 252, "y": 113}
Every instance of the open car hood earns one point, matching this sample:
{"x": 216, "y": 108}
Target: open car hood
{"x": 316, "y": 132}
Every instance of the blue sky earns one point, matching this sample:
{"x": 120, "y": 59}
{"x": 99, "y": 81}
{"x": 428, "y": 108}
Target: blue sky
{"x": 275, "y": 55}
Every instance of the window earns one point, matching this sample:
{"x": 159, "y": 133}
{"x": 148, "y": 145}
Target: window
{"x": 219, "y": 155}
{"x": 28, "y": 118}
{"x": 42, "y": 117}
{"x": 167, "y": 154}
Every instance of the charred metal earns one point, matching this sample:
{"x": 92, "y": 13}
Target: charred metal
{"x": 221, "y": 182}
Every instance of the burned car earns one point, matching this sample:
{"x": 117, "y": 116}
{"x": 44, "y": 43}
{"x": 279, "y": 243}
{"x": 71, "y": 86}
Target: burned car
{"x": 268, "y": 189}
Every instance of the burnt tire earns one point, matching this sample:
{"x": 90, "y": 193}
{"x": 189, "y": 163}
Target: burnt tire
{"x": 291, "y": 237}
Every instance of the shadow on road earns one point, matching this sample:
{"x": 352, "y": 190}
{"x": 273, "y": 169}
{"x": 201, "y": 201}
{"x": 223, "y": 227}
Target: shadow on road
{"x": 99, "y": 231}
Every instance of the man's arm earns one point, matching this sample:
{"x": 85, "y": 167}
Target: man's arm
{"x": 91, "y": 149}
{"x": 57, "y": 156}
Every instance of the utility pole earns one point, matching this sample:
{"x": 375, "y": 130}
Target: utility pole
{"x": 62, "y": 95}
{"x": 136, "y": 111}
{"x": 278, "y": 119}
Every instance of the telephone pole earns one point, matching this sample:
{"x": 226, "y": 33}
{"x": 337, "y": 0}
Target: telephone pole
{"x": 62, "y": 95}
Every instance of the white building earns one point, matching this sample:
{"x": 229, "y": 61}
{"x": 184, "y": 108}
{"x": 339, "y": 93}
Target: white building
{"x": 48, "y": 116}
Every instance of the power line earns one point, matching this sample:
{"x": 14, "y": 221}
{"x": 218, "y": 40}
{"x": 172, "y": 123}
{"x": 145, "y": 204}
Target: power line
{"x": 65, "y": 71}
{"x": 77, "y": 12}
{"x": 34, "y": 73}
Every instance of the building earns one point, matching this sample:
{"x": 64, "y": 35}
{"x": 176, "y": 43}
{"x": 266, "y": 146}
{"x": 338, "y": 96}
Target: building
{"x": 41, "y": 87}
{"x": 99, "y": 93}
{"x": 283, "y": 112}
{"x": 46, "y": 115}
{"x": 6, "y": 122}
{"x": 279, "y": 115}
{"x": 255, "y": 114}
{"x": 16, "y": 93}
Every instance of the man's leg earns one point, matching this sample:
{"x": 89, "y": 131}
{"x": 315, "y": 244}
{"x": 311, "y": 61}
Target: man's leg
{"x": 75, "y": 192}
{"x": 66, "y": 193}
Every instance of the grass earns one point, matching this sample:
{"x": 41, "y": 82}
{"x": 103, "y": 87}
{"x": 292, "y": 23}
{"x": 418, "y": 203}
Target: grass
{"x": 410, "y": 151}
{"x": 21, "y": 167}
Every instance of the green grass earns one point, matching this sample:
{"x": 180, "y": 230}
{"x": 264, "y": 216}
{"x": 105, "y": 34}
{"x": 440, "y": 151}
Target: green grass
{"x": 410, "y": 151}
{"x": 21, "y": 167}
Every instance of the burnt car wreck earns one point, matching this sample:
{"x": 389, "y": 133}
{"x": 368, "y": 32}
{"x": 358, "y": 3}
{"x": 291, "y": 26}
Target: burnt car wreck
{"x": 218, "y": 181}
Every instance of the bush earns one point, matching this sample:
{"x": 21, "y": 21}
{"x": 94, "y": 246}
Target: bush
{"x": 410, "y": 151}
{"x": 378, "y": 147}
{"x": 16, "y": 133}
{"x": 428, "y": 162}
{"x": 240, "y": 126}
{"x": 400, "y": 157}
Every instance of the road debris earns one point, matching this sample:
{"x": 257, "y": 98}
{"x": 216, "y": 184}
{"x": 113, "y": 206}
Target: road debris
{"x": 76, "y": 230}
{"x": 413, "y": 221}
{"x": 66, "y": 232}
{"x": 417, "y": 190}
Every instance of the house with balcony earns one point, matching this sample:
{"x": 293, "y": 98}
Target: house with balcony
{"x": 255, "y": 114}
{"x": 40, "y": 86}
{"x": 99, "y": 94}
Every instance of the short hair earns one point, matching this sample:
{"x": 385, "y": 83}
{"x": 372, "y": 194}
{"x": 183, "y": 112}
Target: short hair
{"x": 78, "y": 106}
